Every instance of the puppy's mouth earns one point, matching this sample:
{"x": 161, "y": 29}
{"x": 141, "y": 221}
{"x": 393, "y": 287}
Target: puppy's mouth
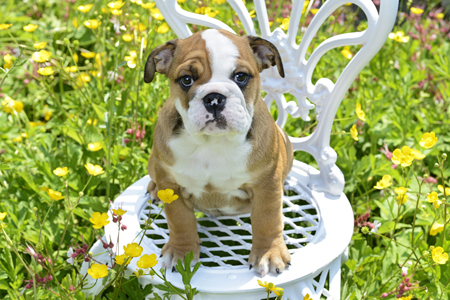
{"x": 219, "y": 122}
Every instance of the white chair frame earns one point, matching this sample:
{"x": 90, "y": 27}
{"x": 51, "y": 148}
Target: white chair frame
{"x": 322, "y": 222}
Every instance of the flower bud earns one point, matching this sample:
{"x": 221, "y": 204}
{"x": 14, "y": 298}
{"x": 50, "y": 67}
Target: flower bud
{"x": 76, "y": 43}
{"x": 425, "y": 253}
{"x": 111, "y": 245}
{"x": 444, "y": 156}
{"x": 86, "y": 259}
{"x": 425, "y": 176}
{"x": 40, "y": 247}
{"x": 123, "y": 227}
{"x": 49, "y": 278}
{"x": 71, "y": 288}
{"x": 404, "y": 274}
{"x": 81, "y": 194}
{"x": 85, "y": 246}
{"x": 105, "y": 245}
{"x": 115, "y": 219}
{"x": 66, "y": 41}
{"x": 365, "y": 230}
{"x": 152, "y": 273}
{"x": 35, "y": 209}
{"x": 28, "y": 286}
{"x": 436, "y": 165}
{"x": 384, "y": 295}
{"x": 74, "y": 255}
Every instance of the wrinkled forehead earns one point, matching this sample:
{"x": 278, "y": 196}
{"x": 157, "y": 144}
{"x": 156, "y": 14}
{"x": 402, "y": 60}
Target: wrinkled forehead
{"x": 218, "y": 50}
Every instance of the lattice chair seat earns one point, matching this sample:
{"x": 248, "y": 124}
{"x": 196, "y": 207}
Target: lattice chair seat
{"x": 317, "y": 215}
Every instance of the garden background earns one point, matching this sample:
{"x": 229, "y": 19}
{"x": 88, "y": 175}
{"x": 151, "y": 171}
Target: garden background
{"x": 72, "y": 94}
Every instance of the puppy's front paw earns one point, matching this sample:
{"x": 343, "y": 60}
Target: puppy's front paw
{"x": 274, "y": 258}
{"x": 173, "y": 251}
{"x": 152, "y": 190}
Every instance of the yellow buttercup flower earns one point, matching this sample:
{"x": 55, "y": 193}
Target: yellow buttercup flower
{"x": 88, "y": 54}
{"x": 384, "y": 182}
{"x": 131, "y": 60}
{"x": 47, "y": 71}
{"x": 11, "y": 106}
{"x": 207, "y": 11}
{"x": 61, "y": 171}
{"x": 399, "y": 36}
{"x": 17, "y": 139}
{"x": 428, "y": 140}
{"x": 416, "y": 11}
{"x": 156, "y": 14}
{"x": 402, "y": 197}
{"x": 438, "y": 255}
{"x": 85, "y": 8}
{"x": 92, "y": 24}
{"x": 127, "y": 37}
{"x": 147, "y": 261}
{"x": 40, "y": 45}
{"x": 440, "y": 16}
{"x": 95, "y": 146}
{"x": 3, "y": 215}
{"x": 436, "y": 228}
{"x": 447, "y": 190}
{"x": 90, "y": 122}
{"x": 71, "y": 69}
{"x": 30, "y": 27}
{"x": 284, "y": 23}
{"x": 147, "y": 5}
{"x": 417, "y": 154}
{"x": 433, "y": 198}
{"x": 360, "y": 113}
{"x": 402, "y": 157}
{"x": 47, "y": 113}
{"x": 133, "y": 250}
{"x": 41, "y": 56}
{"x": 116, "y": 4}
{"x": 8, "y": 58}
{"x": 270, "y": 287}
{"x": 163, "y": 28}
{"x": 121, "y": 259}
{"x": 75, "y": 22}
{"x": 347, "y": 53}
{"x": 219, "y": 1}
{"x": 314, "y": 10}
{"x": 55, "y": 195}
{"x": 119, "y": 211}
{"x": 99, "y": 220}
{"x": 307, "y": 297}
{"x": 98, "y": 271}
{"x": 5, "y": 26}
{"x": 94, "y": 170}
{"x": 354, "y": 132}
{"x": 167, "y": 195}
{"x": 116, "y": 12}
{"x": 305, "y": 6}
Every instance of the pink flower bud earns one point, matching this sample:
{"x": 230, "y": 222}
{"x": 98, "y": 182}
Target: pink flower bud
{"x": 111, "y": 245}
{"x": 115, "y": 219}
{"x": 74, "y": 255}
{"x": 406, "y": 279}
{"x": 85, "y": 246}
{"x": 124, "y": 227}
{"x": 105, "y": 245}
{"x": 86, "y": 259}
{"x": 130, "y": 131}
{"x": 384, "y": 295}
{"x": 404, "y": 274}
{"x": 28, "y": 286}
{"x": 71, "y": 288}
{"x": 78, "y": 251}
{"x": 49, "y": 278}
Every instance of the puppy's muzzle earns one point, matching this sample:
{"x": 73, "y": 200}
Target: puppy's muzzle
{"x": 214, "y": 103}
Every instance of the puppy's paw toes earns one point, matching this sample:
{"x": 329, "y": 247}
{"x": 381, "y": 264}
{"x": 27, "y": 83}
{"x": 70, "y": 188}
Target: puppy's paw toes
{"x": 171, "y": 253}
{"x": 274, "y": 259}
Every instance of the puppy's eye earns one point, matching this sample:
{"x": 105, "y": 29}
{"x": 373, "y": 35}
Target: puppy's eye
{"x": 186, "y": 81}
{"x": 241, "y": 78}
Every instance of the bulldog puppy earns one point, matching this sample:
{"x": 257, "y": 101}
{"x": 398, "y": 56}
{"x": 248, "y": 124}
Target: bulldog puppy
{"x": 216, "y": 144}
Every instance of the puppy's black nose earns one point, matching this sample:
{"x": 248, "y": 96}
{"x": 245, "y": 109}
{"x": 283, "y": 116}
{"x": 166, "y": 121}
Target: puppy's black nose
{"x": 214, "y": 103}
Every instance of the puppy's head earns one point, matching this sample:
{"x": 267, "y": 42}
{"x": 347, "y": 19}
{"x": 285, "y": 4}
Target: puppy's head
{"x": 214, "y": 78}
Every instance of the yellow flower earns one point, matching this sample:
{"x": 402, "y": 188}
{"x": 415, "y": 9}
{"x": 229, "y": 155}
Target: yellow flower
{"x": 85, "y": 8}
{"x": 384, "y": 182}
{"x": 90, "y": 122}
{"x": 147, "y": 261}
{"x": 156, "y": 14}
{"x": 428, "y": 140}
{"x": 12, "y": 106}
{"x": 432, "y": 197}
{"x": 219, "y": 1}
{"x": 269, "y": 286}
{"x": 92, "y": 24}
{"x": 116, "y": 12}
{"x": 41, "y": 56}
{"x": 417, "y": 154}
{"x": 8, "y": 58}
{"x": 167, "y": 195}
{"x": 252, "y": 13}
{"x": 127, "y": 37}
{"x": 35, "y": 124}
{"x": 95, "y": 146}
{"x": 24, "y": 134}
{"x": 61, "y": 171}
{"x": 148, "y": 5}
{"x": 439, "y": 256}
{"x": 360, "y": 113}
{"x": 40, "y": 45}
{"x": 55, "y": 195}
{"x": 17, "y": 139}
{"x": 46, "y": 71}
{"x": 416, "y": 11}
{"x": 402, "y": 197}
{"x": 207, "y": 11}
{"x": 98, "y": 271}
{"x": 354, "y": 132}
{"x": 75, "y": 58}
{"x": 402, "y": 157}
{"x": 99, "y": 220}
{"x": 347, "y": 53}
{"x": 119, "y": 211}
{"x": 436, "y": 228}
{"x": 47, "y": 113}
{"x": 116, "y": 4}
{"x": 399, "y": 36}
{"x": 447, "y": 190}
{"x": 3, "y": 215}
{"x": 131, "y": 60}
{"x": 94, "y": 170}
{"x": 305, "y": 6}
{"x": 71, "y": 69}
{"x": 30, "y": 27}
{"x": 440, "y": 16}
{"x": 163, "y": 28}
{"x": 6, "y": 26}
{"x": 182, "y": 1}
{"x": 314, "y": 10}
{"x": 307, "y": 297}
{"x": 133, "y": 250}
{"x": 120, "y": 259}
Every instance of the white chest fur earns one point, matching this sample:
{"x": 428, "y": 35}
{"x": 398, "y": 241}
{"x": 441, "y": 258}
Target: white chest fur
{"x": 218, "y": 161}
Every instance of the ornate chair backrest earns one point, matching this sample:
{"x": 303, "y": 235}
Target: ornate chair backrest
{"x": 324, "y": 95}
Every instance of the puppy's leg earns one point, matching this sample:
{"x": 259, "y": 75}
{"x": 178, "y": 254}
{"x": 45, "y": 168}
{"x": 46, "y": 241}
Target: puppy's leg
{"x": 183, "y": 236}
{"x": 269, "y": 252}
{"x": 152, "y": 190}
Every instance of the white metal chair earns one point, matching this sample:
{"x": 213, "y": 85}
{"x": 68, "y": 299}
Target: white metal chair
{"x": 318, "y": 216}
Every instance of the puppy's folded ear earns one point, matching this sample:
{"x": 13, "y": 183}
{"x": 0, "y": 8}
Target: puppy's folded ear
{"x": 159, "y": 60}
{"x": 266, "y": 54}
